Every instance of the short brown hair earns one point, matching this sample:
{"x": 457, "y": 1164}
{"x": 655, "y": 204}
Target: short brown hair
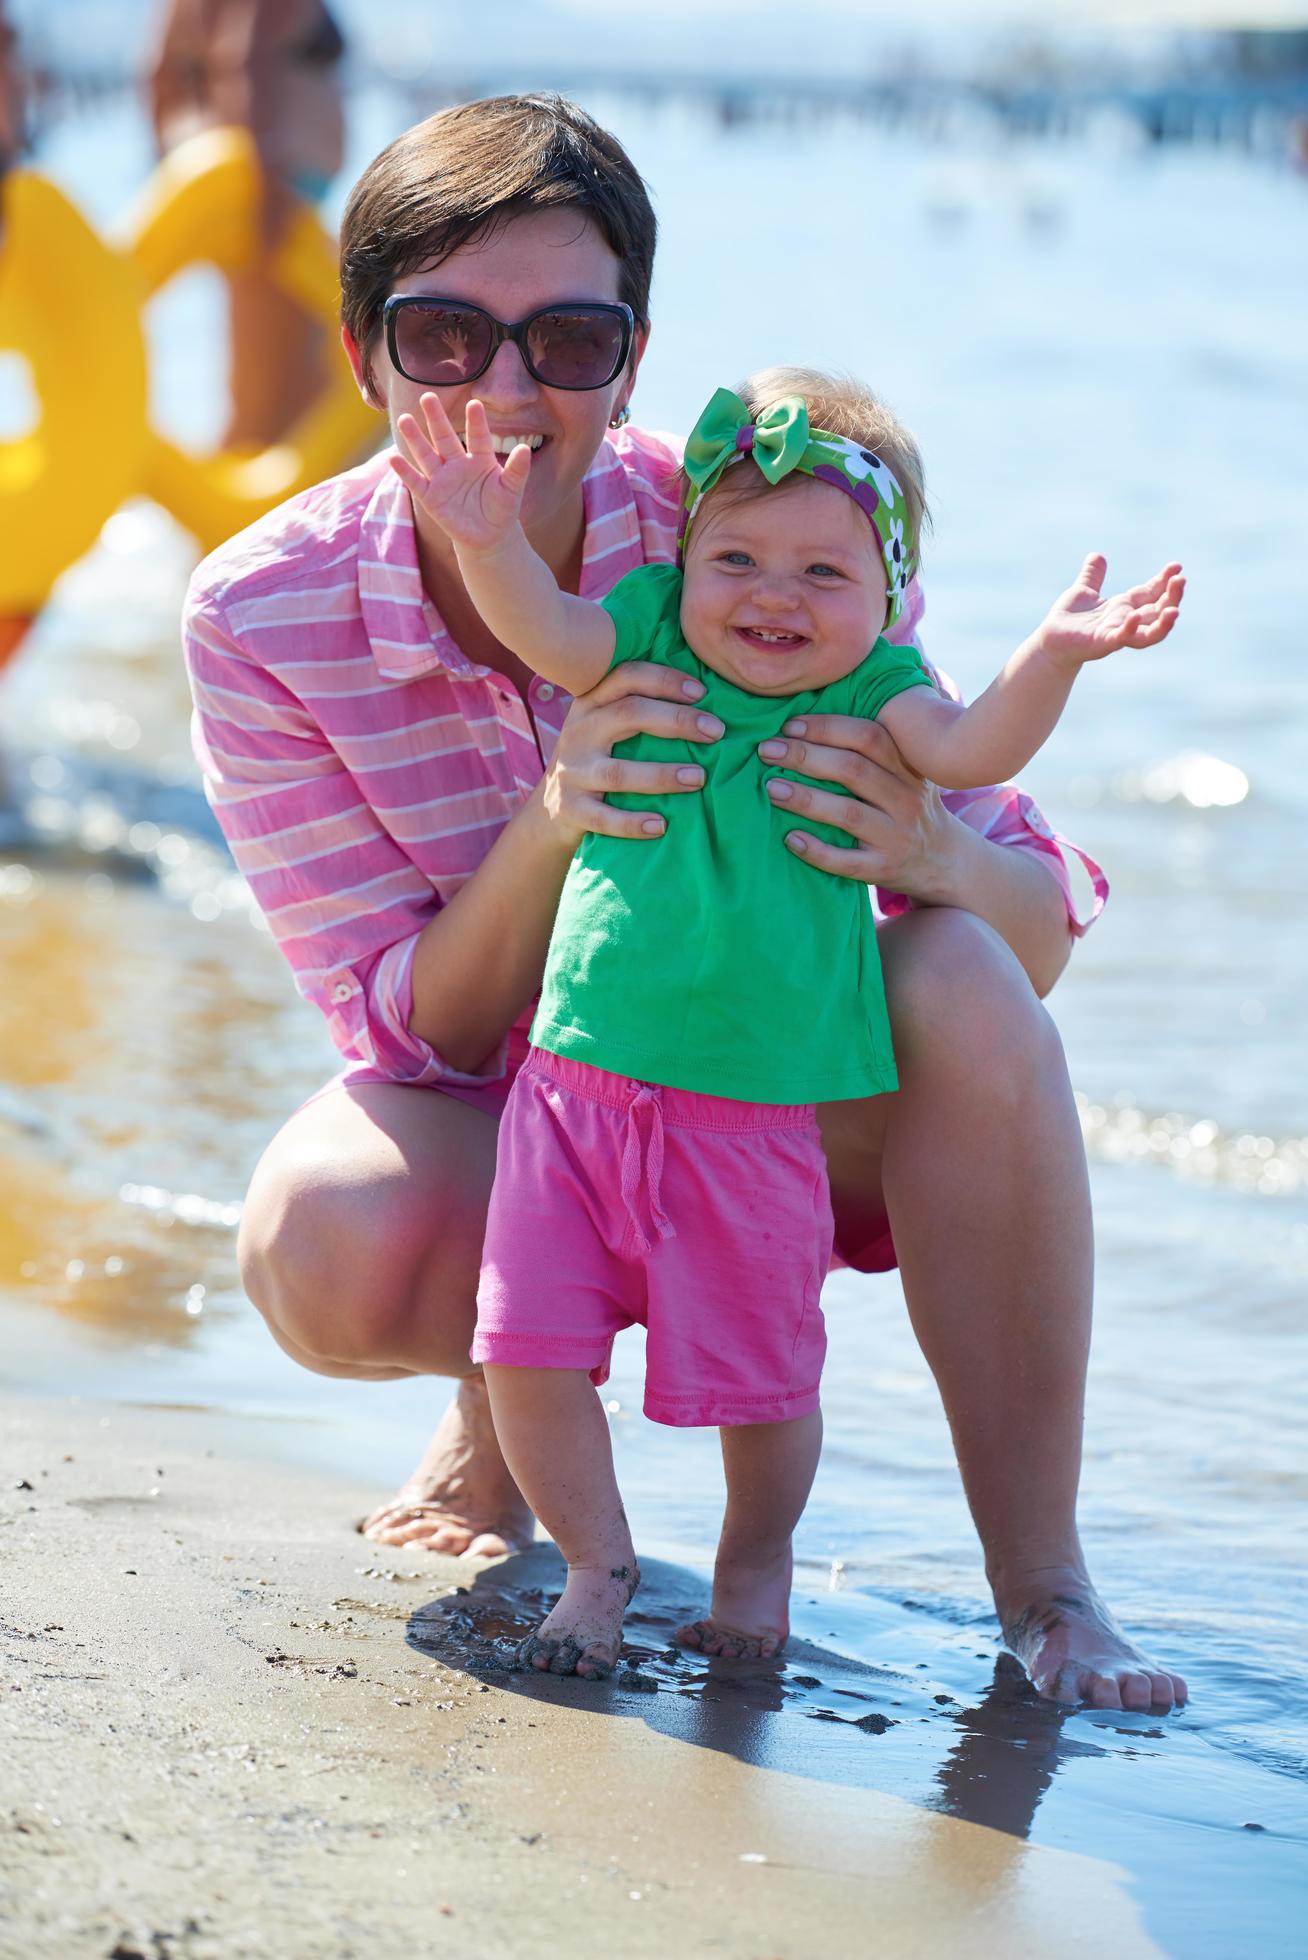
{"x": 472, "y": 167}
{"x": 845, "y": 407}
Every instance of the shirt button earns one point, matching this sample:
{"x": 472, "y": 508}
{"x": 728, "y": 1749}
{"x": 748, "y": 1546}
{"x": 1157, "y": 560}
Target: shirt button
{"x": 342, "y": 991}
{"x": 545, "y": 692}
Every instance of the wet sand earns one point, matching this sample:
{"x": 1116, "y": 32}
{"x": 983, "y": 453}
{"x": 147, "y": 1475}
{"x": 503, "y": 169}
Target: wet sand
{"x": 234, "y": 1728}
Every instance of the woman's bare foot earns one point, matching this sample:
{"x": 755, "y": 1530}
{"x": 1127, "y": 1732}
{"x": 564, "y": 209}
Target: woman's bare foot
{"x": 583, "y": 1635}
{"x": 1072, "y": 1647}
{"x": 461, "y": 1499}
{"x": 749, "y": 1617}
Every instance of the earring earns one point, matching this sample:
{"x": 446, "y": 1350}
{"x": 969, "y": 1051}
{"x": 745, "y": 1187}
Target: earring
{"x": 621, "y": 419}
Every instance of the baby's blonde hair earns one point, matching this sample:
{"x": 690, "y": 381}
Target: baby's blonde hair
{"x": 844, "y": 407}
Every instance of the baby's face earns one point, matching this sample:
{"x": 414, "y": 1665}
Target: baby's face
{"x": 783, "y": 591}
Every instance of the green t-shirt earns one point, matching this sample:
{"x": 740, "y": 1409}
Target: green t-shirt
{"x": 713, "y": 958}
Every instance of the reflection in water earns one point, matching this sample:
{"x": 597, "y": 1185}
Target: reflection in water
{"x": 1006, "y": 1755}
{"x": 93, "y": 1261}
{"x": 814, "y": 1713}
{"x": 51, "y": 959}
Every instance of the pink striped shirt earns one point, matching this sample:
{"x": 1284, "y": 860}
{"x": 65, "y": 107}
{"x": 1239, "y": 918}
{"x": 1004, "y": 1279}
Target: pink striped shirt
{"x": 361, "y": 766}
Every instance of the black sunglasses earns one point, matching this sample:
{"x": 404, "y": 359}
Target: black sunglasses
{"x": 444, "y": 343}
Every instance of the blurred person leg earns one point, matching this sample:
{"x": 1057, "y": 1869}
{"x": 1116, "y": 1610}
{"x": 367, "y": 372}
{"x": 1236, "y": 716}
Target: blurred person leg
{"x": 272, "y": 67}
{"x": 13, "y": 97}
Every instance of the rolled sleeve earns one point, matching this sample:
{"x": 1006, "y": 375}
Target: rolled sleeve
{"x": 377, "y": 1007}
{"x": 1004, "y": 814}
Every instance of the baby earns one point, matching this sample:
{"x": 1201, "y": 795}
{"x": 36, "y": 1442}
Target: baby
{"x": 659, "y": 1159}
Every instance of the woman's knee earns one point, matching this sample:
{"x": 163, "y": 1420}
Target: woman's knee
{"x": 342, "y": 1269}
{"x": 960, "y": 999}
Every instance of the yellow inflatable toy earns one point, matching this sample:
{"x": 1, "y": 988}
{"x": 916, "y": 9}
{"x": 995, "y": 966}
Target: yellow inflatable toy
{"x": 70, "y": 307}
{"x": 202, "y": 204}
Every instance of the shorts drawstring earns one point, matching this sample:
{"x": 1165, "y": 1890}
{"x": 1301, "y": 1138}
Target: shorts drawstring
{"x": 646, "y": 1097}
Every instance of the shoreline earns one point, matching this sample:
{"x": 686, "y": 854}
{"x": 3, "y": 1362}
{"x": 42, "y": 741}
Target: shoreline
{"x": 224, "y": 1739}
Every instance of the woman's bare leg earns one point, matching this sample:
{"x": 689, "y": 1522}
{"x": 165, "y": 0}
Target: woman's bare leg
{"x": 556, "y": 1442}
{"x": 979, "y": 1163}
{"x": 770, "y": 1469}
{"x": 360, "y": 1244}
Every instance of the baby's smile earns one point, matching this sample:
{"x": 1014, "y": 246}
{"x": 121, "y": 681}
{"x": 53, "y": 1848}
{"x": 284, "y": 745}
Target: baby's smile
{"x": 784, "y": 590}
{"x": 760, "y": 634}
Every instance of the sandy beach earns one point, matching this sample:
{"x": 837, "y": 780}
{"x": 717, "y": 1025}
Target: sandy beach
{"x": 223, "y": 1737}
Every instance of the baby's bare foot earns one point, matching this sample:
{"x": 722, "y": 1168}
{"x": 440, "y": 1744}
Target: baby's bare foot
{"x": 583, "y": 1635}
{"x": 749, "y": 1617}
{"x": 1074, "y": 1650}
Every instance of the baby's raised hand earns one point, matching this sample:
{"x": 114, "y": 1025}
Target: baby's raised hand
{"x": 1082, "y": 625}
{"x": 462, "y": 486}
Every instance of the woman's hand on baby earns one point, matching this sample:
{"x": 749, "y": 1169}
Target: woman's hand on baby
{"x": 1083, "y": 625}
{"x": 637, "y": 698}
{"x": 900, "y": 828}
{"x": 461, "y": 485}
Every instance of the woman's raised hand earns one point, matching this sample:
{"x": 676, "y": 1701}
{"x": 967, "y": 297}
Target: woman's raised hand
{"x": 461, "y": 485}
{"x": 1082, "y": 625}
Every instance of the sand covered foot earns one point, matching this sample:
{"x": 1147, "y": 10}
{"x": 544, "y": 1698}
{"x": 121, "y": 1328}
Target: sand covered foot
{"x": 749, "y": 1617}
{"x": 461, "y": 1499}
{"x": 583, "y": 1635}
{"x": 1074, "y": 1650}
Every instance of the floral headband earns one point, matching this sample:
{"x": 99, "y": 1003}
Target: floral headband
{"x": 780, "y": 440}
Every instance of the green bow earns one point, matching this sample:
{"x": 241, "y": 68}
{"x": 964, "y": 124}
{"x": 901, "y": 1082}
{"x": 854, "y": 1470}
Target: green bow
{"x": 780, "y": 441}
{"x": 781, "y": 435}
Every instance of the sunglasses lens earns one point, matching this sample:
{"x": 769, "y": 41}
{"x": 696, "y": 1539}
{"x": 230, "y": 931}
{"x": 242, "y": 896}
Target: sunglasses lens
{"x": 581, "y": 349}
{"x": 442, "y": 345}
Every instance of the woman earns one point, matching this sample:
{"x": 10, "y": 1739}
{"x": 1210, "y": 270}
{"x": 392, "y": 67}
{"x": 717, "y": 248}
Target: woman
{"x": 405, "y": 799}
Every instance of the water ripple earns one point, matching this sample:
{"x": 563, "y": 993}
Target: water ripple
{"x": 1194, "y": 1147}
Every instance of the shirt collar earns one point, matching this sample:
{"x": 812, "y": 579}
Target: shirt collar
{"x": 406, "y": 634}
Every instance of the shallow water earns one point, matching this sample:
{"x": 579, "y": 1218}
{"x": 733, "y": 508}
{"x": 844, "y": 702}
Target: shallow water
{"x": 1097, "y": 348}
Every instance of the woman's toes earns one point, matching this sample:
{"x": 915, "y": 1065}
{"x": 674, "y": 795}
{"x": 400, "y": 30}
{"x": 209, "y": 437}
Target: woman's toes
{"x": 1162, "y": 1692}
{"x": 447, "y": 1540}
{"x": 1101, "y": 1691}
{"x": 382, "y": 1529}
{"x": 1137, "y": 1693}
{"x": 487, "y": 1544}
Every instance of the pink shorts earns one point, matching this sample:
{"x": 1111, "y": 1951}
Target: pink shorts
{"x": 706, "y": 1220}
{"x": 871, "y": 1255}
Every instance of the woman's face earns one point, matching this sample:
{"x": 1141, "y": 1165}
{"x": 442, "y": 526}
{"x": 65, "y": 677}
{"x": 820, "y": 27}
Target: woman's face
{"x": 532, "y": 261}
